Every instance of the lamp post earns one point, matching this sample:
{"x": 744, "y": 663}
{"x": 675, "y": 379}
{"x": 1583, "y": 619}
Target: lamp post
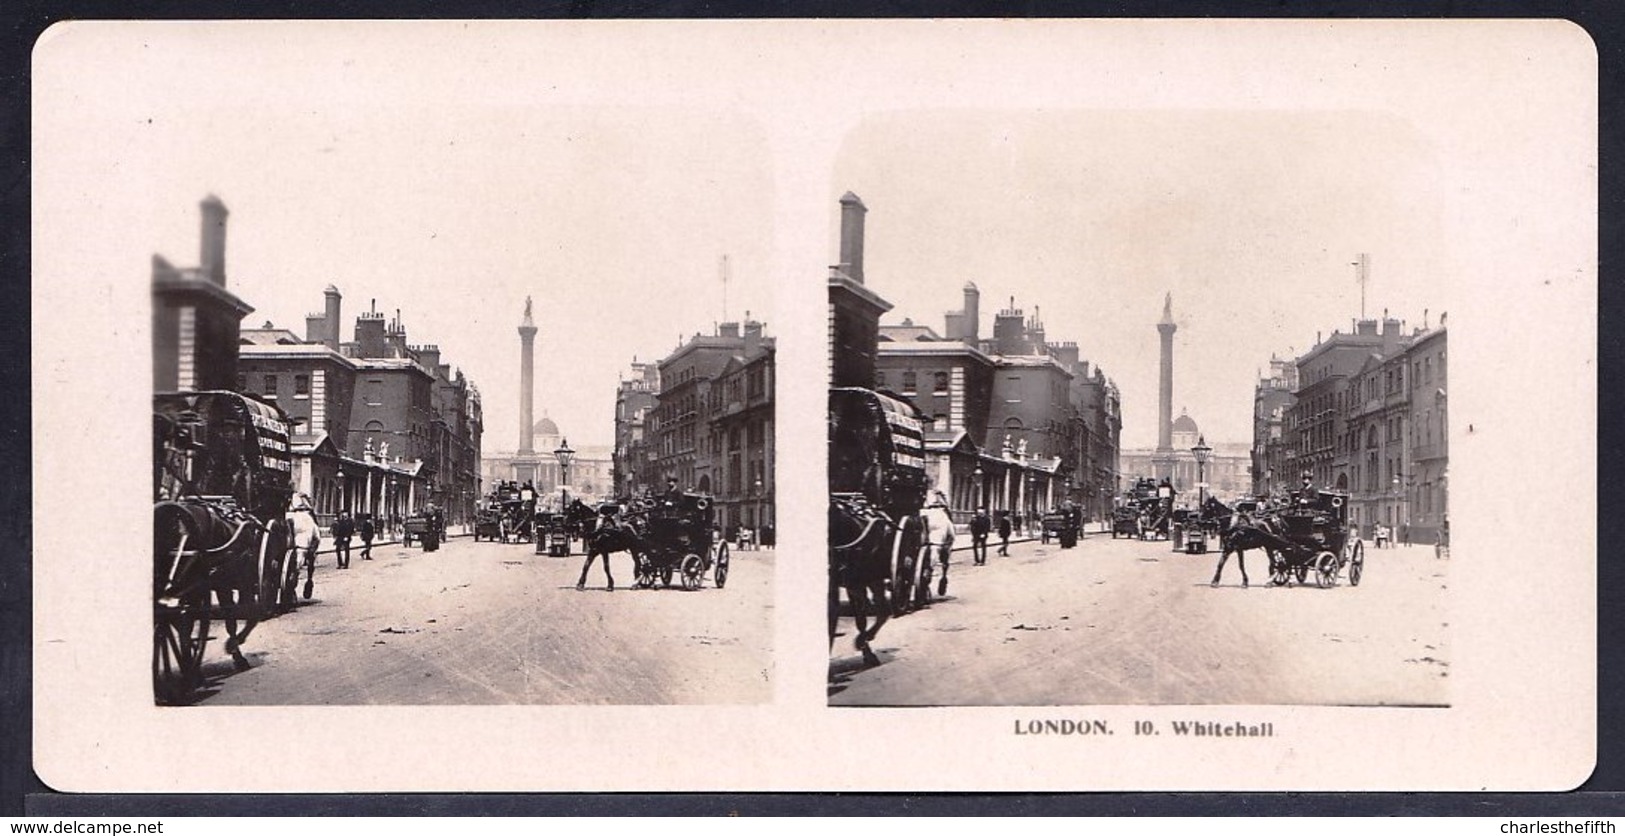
{"x": 564, "y": 454}
{"x": 1202, "y": 451}
{"x": 976, "y": 482}
{"x": 344, "y": 496}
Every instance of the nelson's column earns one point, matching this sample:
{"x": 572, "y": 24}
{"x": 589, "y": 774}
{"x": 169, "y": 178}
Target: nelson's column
{"x": 525, "y": 461}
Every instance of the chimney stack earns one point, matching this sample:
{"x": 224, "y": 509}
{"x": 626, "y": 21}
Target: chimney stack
{"x": 212, "y": 262}
{"x": 331, "y": 338}
{"x": 852, "y": 212}
{"x": 973, "y": 313}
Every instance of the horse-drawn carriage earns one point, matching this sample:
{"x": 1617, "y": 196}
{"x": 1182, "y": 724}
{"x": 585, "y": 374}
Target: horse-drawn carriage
{"x": 1146, "y": 512}
{"x": 425, "y": 528}
{"x": 487, "y": 524}
{"x": 507, "y": 514}
{"x": 552, "y": 534}
{"x": 1315, "y": 536}
{"x": 1063, "y": 525}
{"x": 877, "y": 487}
{"x": 221, "y": 544}
{"x": 680, "y": 539}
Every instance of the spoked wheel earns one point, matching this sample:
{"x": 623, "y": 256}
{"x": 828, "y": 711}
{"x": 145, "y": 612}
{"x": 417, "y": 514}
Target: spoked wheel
{"x": 722, "y": 565}
{"x": 693, "y": 568}
{"x": 902, "y": 591}
{"x": 1325, "y": 570}
{"x": 1356, "y": 562}
{"x": 180, "y": 633}
{"x": 643, "y": 573}
{"x": 1278, "y": 570}
{"x": 273, "y": 553}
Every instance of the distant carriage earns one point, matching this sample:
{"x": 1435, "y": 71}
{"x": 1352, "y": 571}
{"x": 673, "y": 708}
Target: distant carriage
{"x": 553, "y": 534}
{"x": 221, "y": 544}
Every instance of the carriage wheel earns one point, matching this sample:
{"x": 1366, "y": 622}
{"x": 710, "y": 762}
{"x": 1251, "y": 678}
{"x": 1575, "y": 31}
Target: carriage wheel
{"x": 693, "y": 567}
{"x": 1278, "y": 568}
{"x": 1326, "y": 570}
{"x": 273, "y": 554}
{"x": 665, "y": 575}
{"x": 902, "y": 559}
{"x": 643, "y": 573}
{"x": 1356, "y": 563}
{"x": 180, "y": 633}
{"x": 722, "y": 565}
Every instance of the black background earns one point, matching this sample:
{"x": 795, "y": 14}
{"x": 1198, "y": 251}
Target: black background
{"x": 21, "y": 791}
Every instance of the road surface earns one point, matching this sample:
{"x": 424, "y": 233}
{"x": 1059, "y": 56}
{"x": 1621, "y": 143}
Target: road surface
{"x": 487, "y": 623}
{"x": 1123, "y": 622}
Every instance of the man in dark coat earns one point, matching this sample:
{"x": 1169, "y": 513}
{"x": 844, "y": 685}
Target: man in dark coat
{"x": 1004, "y": 533}
{"x": 366, "y": 529}
{"x": 980, "y": 527}
{"x": 343, "y": 530}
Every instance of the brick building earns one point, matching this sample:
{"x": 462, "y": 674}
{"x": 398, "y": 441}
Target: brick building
{"x": 635, "y": 397}
{"x": 195, "y": 319}
{"x": 381, "y": 426}
{"x": 1016, "y": 422}
{"x": 1369, "y": 416}
{"x": 709, "y": 423}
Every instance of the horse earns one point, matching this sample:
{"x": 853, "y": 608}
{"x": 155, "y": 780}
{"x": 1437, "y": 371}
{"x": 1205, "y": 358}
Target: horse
{"x": 860, "y": 563}
{"x": 600, "y": 538}
{"x": 1239, "y": 534}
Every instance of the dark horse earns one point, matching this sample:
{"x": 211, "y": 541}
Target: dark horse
{"x": 860, "y": 549}
{"x": 1238, "y": 534}
{"x": 600, "y": 538}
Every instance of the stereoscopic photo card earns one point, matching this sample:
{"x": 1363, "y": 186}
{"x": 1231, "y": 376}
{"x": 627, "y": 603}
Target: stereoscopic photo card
{"x": 1136, "y": 404}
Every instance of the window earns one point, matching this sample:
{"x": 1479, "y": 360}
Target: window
{"x": 270, "y": 386}
{"x": 301, "y": 385}
{"x": 880, "y": 380}
{"x": 941, "y": 385}
{"x": 910, "y": 382}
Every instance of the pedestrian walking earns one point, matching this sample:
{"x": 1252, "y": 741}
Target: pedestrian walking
{"x": 307, "y": 537}
{"x": 1004, "y": 533}
{"x": 980, "y": 527}
{"x": 367, "y": 531}
{"x": 343, "y": 530}
{"x": 939, "y": 535}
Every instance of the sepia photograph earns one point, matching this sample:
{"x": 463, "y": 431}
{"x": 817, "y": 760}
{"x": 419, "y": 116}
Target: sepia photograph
{"x": 414, "y": 414}
{"x": 1176, "y": 405}
{"x": 1189, "y": 354}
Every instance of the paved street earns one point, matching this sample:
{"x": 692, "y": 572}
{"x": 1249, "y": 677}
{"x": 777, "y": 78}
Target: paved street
{"x": 484, "y": 623}
{"x": 1125, "y": 622}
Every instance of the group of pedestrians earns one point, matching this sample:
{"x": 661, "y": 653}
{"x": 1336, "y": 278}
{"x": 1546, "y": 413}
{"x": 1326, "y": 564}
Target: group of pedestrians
{"x": 981, "y": 527}
{"x": 345, "y": 529}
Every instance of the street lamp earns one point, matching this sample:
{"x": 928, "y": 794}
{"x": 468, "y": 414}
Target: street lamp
{"x": 564, "y": 454}
{"x": 976, "y": 480}
{"x": 1202, "y": 451}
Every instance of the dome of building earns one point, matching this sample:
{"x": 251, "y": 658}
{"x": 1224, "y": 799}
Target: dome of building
{"x": 1184, "y": 424}
{"x": 546, "y": 427}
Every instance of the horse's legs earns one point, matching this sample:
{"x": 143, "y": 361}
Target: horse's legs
{"x": 1224, "y": 555}
{"x": 228, "y": 603}
{"x": 581, "y": 583}
{"x": 607, "y": 575}
{"x": 1241, "y": 562}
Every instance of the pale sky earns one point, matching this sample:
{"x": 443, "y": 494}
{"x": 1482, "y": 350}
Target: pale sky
{"x": 1250, "y": 219}
{"x": 409, "y": 190}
